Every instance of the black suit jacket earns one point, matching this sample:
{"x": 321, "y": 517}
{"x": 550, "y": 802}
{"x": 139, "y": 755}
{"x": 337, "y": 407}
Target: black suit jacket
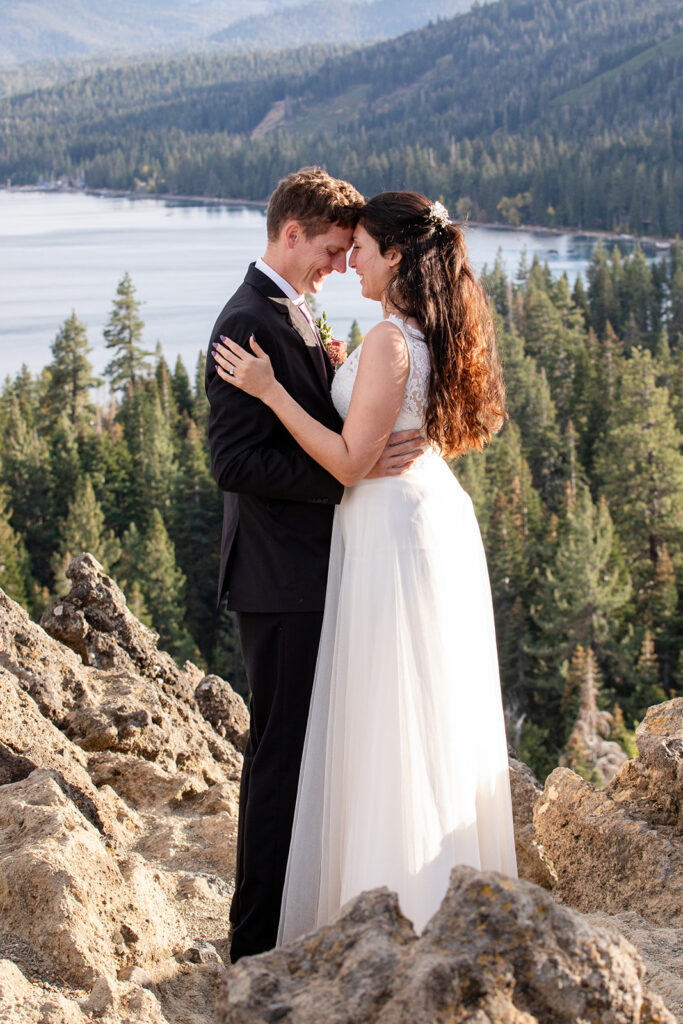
{"x": 278, "y": 502}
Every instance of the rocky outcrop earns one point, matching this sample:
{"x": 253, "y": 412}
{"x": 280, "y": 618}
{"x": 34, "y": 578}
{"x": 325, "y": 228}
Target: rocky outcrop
{"x": 119, "y": 779}
{"x": 620, "y": 849}
{"x": 224, "y": 709}
{"x": 525, "y": 790}
{"x": 651, "y": 785}
{"x": 496, "y": 951}
{"x": 118, "y": 812}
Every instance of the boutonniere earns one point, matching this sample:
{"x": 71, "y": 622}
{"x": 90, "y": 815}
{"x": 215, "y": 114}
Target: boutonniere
{"x": 335, "y": 348}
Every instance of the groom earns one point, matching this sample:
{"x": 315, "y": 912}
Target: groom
{"x": 277, "y": 522}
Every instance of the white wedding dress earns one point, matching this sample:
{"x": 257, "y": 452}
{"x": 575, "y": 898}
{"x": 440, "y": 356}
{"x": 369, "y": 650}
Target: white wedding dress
{"x": 404, "y": 771}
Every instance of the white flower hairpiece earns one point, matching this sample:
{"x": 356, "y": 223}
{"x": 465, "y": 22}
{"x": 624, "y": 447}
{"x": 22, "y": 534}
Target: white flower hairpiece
{"x": 439, "y": 215}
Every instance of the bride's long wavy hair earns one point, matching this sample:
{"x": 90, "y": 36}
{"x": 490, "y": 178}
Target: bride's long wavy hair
{"x": 435, "y": 285}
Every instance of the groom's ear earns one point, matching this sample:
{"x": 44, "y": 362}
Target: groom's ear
{"x": 291, "y": 233}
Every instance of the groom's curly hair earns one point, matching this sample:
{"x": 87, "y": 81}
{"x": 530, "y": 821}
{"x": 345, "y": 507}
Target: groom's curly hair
{"x": 435, "y": 285}
{"x": 316, "y": 200}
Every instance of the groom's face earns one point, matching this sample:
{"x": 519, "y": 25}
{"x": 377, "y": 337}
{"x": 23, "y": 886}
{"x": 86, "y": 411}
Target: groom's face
{"x": 314, "y": 258}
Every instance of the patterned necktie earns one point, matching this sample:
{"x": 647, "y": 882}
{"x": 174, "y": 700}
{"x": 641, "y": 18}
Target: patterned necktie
{"x": 306, "y": 310}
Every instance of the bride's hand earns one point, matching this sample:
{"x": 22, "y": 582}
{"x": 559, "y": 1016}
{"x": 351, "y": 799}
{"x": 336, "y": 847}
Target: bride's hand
{"x": 250, "y": 373}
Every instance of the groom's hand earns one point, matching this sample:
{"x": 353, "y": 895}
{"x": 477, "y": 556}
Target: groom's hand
{"x": 402, "y": 449}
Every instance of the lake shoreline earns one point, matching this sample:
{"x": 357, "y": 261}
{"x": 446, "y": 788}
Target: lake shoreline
{"x": 664, "y": 245}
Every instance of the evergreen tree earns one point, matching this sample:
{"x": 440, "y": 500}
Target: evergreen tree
{"x": 15, "y": 575}
{"x": 197, "y": 523}
{"x": 84, "y": 530}
{"x": 25, "y": 476}
{"x": 162, "y": 585}
{"x": 584, "y": 585}
{"x": 355, "y": 337}
{"x": 640, "y": 467}
{"x": 182, "y": 389}
{"x": 71, "y": 375}
{"x": 649, "y": 689}
{"x": 126, "y": 573}
{"x": 511, "y": 541}
{"x": 123, "y": 334}
{"x": 589, "y": 751}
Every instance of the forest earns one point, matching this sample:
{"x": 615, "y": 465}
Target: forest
{"x": 579, "y": 498}
{"x": 519, "y": 111}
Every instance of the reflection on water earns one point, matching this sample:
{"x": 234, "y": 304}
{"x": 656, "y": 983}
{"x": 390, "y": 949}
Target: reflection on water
{"x": 64, "y": 251}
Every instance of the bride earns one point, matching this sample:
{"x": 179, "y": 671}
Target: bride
{"x": 404, "y": 772}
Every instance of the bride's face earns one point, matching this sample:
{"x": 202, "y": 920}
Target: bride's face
{"x": 374, "y": 269}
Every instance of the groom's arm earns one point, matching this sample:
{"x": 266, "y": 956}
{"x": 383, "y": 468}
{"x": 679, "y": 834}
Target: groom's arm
{"x": 241, "y": 430}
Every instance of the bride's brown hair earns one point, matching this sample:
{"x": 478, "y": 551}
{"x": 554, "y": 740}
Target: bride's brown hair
{"x": 435, "y": 285}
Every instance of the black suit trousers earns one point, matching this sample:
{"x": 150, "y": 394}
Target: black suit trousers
{"x": 280, "y": 651}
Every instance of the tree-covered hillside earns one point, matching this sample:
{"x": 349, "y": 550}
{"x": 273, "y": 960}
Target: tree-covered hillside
{"x": 521, "y": 111}
{"x": 333, "y": 21}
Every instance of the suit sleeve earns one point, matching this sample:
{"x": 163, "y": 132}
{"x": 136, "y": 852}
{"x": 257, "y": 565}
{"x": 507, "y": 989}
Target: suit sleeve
{"x": 242, "y": 430}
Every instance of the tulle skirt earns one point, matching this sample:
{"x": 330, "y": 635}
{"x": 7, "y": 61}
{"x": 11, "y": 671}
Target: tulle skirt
{"x": 405, "y": 770}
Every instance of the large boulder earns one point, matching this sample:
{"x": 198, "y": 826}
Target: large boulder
{"x": 620, "y": 849}
{"x": 224, "y": 709}
{"x": 651, "y": 785}
{"x": 525, "y": 790}
{"x": 67, "y": 894}
{"x": 498, "y": 951}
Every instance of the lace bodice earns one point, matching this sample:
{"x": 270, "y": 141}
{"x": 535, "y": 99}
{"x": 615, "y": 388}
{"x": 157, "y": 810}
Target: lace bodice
{"x": 414, "y": 403}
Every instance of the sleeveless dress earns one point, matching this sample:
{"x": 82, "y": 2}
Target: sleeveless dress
{"x": 404, "y": 771}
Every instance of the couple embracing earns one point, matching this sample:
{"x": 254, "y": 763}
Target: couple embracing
{"x": 353, "y": 559}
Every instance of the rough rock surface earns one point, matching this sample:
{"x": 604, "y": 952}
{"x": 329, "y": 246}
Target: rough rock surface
{"x": 497, "y": 950}
{"x": 526, "y": 789}
{"x": 118, "y": 814}
{"x": 620, "y": 849}
{"x": 119, "y": 779}
{"x": 651, "y": 785}
{"x": 224, "y": 708}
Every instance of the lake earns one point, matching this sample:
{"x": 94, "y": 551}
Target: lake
{"x": 67, "y": 250}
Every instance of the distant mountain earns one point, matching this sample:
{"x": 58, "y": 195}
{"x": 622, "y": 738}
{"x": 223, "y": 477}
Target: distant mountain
{"x": 35, "y": 30}
{"x": 539, "y": 111}
{"x": 329, "y": 21}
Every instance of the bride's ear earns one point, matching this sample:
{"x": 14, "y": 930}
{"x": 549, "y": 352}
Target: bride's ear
{"x": 393, "y": 256}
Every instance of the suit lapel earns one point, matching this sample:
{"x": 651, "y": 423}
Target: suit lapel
{"x": 308, "y": 336}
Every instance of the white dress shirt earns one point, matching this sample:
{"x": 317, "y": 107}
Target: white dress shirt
{"x": 297, "y": 298}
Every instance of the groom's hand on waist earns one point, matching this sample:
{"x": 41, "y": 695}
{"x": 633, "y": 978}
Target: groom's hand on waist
{"x": 403, "y": 448}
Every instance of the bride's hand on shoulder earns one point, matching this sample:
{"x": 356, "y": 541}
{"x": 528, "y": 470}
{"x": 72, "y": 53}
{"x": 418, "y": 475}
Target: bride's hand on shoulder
{"x": 250, "y": 373}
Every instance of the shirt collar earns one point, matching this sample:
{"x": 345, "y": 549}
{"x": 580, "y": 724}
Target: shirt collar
{"x": 283, "y": 285}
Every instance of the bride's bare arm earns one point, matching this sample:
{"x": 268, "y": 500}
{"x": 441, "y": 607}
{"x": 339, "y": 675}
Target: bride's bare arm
{"x": 375, "y": 403}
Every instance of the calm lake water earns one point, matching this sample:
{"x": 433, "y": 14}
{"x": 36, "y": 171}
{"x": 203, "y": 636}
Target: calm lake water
{"x": 64, "y": 251}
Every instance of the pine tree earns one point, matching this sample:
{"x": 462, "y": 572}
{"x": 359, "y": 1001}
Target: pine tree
{"x": 123, "y": 334}
{"x": 355, "y": 337}
{"x": 163, "y": 588}
{"x": 589, "y": 751}
{"x": 200, "y": 405}
{"x": 25, "y": 472}
{"x": 621, "y": 734}
{"x": 649, "y": 689}
{"x": 182, "y": 389}
{"x": 71, "y": 375}
{"x": 15, "y": 575}
{"x": 196, "y": 531}
{"x": 511, "y": 540}
{"x": 675, "y": 315}
{"x": 640, "y": 467}
{"x": 84, "y": 530}
{"x": 583, "y": 584}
